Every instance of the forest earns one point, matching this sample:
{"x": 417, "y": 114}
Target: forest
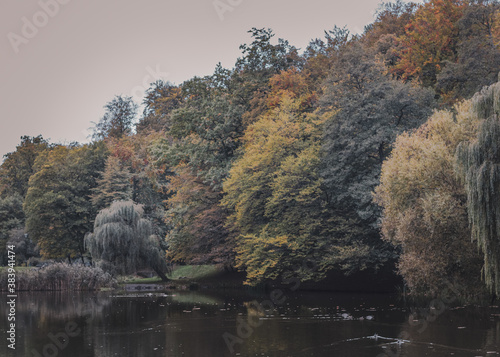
{"x": 359, "y": 152}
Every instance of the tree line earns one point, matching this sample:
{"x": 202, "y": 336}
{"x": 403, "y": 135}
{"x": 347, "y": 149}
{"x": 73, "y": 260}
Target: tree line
{"x": 358, "y": 152}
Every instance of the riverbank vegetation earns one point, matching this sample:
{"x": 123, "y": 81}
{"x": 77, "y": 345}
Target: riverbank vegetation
{"x": 59, "y": 276}
{"x": 368, "y": 152}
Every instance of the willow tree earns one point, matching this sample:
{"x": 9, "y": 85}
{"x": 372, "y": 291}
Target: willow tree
{"x": 125, "y": 240}
{"x": 479, "y": 165}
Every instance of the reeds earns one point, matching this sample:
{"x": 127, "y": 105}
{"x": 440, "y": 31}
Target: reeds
{"x": 59, "y": 276}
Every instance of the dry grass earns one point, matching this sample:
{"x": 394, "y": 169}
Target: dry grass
{"x": 59, "y": 276}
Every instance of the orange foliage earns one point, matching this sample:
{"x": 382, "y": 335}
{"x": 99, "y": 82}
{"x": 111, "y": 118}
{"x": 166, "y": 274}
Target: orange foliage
{"x": 429, "y": 39}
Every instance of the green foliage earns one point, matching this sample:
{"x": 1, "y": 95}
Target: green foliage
{"x": 479, "y": 164}
{"x": 117, "y": 120}
{"x": 367, "y": 110}
{"x": 206, "y": 137}
{"x": 24, "y": 248}
{"x": 273, "y": 163}
{"x": 123, "y": 239}
{"x": 194, "y": 272}
{"x": 161, "y": 99}
{"x": 57, "y": 206}
{"x": 18, "y": 166}
{"x": 11, "y": 218}
{"x": 425, "y": 206}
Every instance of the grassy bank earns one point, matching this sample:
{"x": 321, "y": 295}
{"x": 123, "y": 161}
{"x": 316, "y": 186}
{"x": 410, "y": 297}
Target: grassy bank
{"x": 192, "y": 276}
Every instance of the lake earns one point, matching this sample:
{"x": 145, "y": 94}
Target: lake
{"x": 184, "y": 323}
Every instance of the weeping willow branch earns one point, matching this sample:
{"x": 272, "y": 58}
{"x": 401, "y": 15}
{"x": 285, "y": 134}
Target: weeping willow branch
{"x": 479, "y": 167}
{"x": 124, "y": 239}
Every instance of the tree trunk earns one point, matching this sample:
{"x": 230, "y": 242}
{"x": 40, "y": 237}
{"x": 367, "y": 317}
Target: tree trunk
{"x": 160, "y": 274}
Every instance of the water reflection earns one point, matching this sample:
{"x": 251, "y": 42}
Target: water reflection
{"x": 194, "y": 324}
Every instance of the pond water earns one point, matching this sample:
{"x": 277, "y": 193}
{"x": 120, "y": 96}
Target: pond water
{"x": 177, "y": 323}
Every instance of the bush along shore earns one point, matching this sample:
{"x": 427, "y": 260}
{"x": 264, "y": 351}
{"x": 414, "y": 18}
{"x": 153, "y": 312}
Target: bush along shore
{"x": 59, "y": 276}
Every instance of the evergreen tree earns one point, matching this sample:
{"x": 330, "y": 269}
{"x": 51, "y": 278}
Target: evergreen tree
{"x": 114, "y": 185}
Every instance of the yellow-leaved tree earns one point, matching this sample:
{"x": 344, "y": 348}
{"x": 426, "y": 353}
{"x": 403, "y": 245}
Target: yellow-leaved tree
{"x": 424, "y": 203}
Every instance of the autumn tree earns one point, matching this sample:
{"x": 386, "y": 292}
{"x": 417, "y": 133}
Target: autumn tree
{"x": 160, "y": 100}
{"x": 113, "y": 185}
{"x": 391, "y": 19}
{"x": 260, "y": 60}
{"x": 275, "y": 196}
{"x": 125, "y": 240}
{"x": 425, "y": 209}
{"x": 321, "y": 54}
{"x": 131, "y": 173}
{"x": 199, "y": 147}
{"x": 429, "y": 39}
{"x": 477, "y": 60}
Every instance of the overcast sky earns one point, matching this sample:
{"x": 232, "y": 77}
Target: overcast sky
{"x": 61, "y": 64}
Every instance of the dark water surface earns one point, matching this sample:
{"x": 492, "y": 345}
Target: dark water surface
{"x": 209, "y": 324}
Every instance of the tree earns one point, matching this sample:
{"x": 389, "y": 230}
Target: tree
{"x": 57, "y": 206}
{"x": 17, "y": 166}
{"x": 124, "y": 239}
{"x": 117, "y": 120}
{"x": 479, "y": 164}
{"x": 274, "y": 195}
{"x": 367, "y": 110}
{"x": 430, "y": 38}
{"x": 114, "y": 185}
{"x": 199, "y": 147}
{"x": 477, "y": 56}
{"x": 280, "y": 215}
{"x": 197, "y": 233}
{"x": 136, "y": 176}
{"x": 161, "y": 99}
{"x": 11, "y": 218}
{"x": 392, "y": 18}
{"x": 260, "y": 61}
{"x": 424, "y": 206}
{"x": 24, "y": 248}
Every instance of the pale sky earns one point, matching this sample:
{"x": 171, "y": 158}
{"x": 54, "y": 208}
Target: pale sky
{"x": 73, "y": 56}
